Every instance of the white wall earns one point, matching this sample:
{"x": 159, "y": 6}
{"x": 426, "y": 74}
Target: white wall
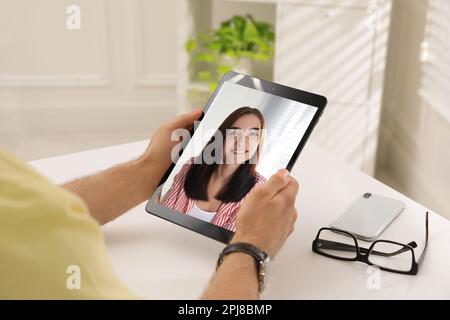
{"x": 110, "y": 82}
{"x": 337, "y": 49}
{"x": 414, "y": 145}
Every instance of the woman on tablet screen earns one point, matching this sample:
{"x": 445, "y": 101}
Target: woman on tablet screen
{"x": 214, "y": 192}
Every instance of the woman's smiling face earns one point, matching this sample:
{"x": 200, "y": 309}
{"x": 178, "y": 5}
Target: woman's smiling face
{"x": 242, "y": 139}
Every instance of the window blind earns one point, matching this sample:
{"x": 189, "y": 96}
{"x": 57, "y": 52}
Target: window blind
{"x": 436, "y": 58}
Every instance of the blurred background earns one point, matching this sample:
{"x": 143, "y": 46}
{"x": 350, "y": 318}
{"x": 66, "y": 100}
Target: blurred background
{"x": 82, "y": 74}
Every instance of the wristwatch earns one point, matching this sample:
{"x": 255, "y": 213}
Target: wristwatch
{"x": 261, "y": 257}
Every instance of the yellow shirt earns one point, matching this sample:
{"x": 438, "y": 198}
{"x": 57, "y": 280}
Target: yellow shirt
{"x": 50, "y": 246}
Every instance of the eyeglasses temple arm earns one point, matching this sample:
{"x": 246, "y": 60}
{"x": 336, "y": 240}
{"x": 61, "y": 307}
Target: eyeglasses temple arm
{"x": 331, "y": 245}
{"x": 422, "y": 255}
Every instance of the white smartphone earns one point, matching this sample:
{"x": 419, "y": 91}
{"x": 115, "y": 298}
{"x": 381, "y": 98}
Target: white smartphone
{"x": 369, "y": 216}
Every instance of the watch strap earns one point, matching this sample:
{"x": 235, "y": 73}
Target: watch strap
{"x": 258, "y": 254}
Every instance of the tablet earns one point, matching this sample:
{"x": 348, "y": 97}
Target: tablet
{"x": 250, "y": 128}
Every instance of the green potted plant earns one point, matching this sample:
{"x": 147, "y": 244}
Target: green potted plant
{"x": 237, "y": 45}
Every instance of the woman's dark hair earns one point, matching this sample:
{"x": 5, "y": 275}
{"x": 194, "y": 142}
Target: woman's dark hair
{"x": 242, "y": 180}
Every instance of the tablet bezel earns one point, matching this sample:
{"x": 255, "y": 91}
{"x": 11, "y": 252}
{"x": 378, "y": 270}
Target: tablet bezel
{"x": 205, "y": 228}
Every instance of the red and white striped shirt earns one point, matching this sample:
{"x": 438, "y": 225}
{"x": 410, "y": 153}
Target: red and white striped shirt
{"x": 176, "y": 199}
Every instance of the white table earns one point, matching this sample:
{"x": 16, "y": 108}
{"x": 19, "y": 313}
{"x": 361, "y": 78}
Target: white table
{"x": 157, "y": 259}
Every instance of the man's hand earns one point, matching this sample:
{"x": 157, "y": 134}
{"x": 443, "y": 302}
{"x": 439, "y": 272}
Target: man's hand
{"x": 158, "y": 154}
{"x": 112, "y": 192}
{"x": 265, "y": 219}
{"x": 267, "y": 216}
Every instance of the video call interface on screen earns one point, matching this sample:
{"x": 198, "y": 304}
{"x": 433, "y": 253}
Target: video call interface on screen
{"x": 245, "y": 136}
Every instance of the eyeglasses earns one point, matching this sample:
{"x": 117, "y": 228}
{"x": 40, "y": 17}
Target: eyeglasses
{"x": 387, "y": 255}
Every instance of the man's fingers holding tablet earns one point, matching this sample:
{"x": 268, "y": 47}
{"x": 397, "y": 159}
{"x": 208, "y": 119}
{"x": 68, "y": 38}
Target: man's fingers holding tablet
{"x": 289, "y": 193}
{"x": 267, "y": 216}
{"x": 158, "y": 154}
{"x": 185, "y": 120}
{"x": 276, "y": 183}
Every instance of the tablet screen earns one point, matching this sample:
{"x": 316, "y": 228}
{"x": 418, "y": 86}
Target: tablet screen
{"x": 245, "y": 136}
